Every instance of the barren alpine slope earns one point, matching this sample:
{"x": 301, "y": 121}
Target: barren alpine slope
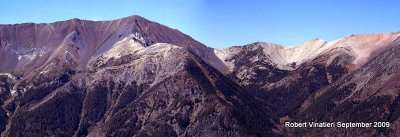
{"x": 134, "y": 77}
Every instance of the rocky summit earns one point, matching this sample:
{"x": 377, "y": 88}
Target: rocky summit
{"x": 135, "y": 77}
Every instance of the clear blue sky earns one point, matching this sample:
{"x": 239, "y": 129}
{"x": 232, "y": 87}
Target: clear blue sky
{"x": 223, "y": 23}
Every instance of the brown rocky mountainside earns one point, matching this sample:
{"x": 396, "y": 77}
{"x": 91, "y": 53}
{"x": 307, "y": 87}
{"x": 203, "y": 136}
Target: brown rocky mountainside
{"x": 353, "y": 79}
{"x": 134, "y": 77}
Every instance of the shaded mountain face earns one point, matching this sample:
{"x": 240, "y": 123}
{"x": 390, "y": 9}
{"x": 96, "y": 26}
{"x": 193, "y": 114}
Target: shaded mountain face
{"x": 145, "y": 93}
{"x": 134, "y": 77}
{"x": 370, "y": 93}
{"x": 353, "y": 79}
{"x": 128, "y": 77}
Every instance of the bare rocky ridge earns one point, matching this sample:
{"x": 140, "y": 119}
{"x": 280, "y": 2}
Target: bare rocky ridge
{"x": 134, "y": 77}
{"x": 353, "y": 79}
{"x": 119, "y": 78}
{"x": 28, "y": 47}
{"x": 145, "y": 93}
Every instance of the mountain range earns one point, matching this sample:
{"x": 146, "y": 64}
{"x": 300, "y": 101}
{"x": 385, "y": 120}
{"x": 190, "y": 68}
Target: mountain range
{"x": 135, "y": 77}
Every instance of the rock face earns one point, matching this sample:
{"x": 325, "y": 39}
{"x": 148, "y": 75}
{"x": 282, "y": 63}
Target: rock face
{"x": 134, "y": 77}
{"x": 31, "y": 47}
{"x": 128, "y": 77}
{"x": 144, "y": 93}
{"x": 353, "y": 79}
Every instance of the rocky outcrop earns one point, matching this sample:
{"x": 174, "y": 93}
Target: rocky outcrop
{"x": 369, "y": 94}
{"x": 28, "y": 48}
{"x": 134, "y": 77}
{"x": 344, "y": 80}
{"x": 142, "y": 93}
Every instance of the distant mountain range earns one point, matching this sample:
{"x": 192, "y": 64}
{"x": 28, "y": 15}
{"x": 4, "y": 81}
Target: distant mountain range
{"x": 135, "y": 77}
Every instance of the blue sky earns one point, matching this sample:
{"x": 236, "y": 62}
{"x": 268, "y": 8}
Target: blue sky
{"x": 223, "y": 23}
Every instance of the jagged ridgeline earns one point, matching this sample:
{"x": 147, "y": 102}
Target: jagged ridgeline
{"x": 134, "y": 77}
